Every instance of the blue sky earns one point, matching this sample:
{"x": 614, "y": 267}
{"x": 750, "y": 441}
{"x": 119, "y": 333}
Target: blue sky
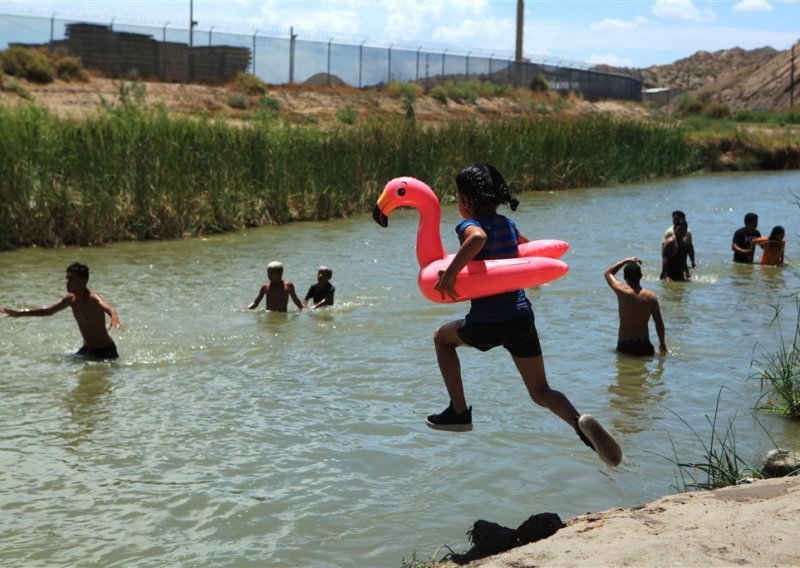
{"x": 633, "y": 33}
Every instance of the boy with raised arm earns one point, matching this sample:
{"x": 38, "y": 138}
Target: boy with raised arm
{"x": 636, "y": 306}
{"x": 89, "y": 310}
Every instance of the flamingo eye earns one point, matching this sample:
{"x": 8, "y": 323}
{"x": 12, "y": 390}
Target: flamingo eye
{"x": 401, "y": 191}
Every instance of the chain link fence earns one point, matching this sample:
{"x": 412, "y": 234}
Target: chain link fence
{"x": 180, "y": 54}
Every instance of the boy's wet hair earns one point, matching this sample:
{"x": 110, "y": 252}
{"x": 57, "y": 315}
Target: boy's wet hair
{"x": 275, "y": 265}
{"x": 632, "y": 271}
{"x": 326, "y": 270}
{"x": 679, "y": 213}
{"x": 750, "y": 217}
{"x": 81, "y": 270}
{"x": 484, "y": 185}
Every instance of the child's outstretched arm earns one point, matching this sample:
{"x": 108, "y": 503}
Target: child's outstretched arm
{"x": 474, "y": 239}
{"x": 48, "y": 311}
{"x": 261, "y": 293}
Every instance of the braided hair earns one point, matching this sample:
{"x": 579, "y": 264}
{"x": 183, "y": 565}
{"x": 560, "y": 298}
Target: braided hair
{"x": 485, "y": 186}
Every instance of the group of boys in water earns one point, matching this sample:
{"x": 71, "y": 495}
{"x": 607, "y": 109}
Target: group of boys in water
{"x": 637, "y": 305}
{"x": 505, "y": 320}
{"x": 90, "y": 309}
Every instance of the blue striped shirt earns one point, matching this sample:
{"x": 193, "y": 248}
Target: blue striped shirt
{"x": 502, "y": 240}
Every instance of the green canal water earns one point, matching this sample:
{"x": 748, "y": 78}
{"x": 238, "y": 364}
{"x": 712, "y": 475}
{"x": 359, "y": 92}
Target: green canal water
{"x": 227, "y": 437}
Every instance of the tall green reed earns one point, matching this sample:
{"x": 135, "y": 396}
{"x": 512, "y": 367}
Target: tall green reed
{"x": 721, "y": 465}
{"x": 130, "y": 173}
{"x": 780, "y": 375}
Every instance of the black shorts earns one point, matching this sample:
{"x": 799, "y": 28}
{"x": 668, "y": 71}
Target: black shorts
{"x": 518, "y": 336}
{"x": 100, "y": 353}
{"x": 639, "y": 347}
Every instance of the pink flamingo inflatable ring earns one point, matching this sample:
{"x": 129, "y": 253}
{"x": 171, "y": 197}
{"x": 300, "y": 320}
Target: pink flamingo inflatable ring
{"x": 537, "y": 262}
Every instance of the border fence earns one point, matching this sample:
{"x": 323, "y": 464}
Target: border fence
{"x": 177, "y": 54}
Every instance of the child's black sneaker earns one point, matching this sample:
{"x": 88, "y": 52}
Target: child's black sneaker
{"x": 596, "y": 437}
{"x": 451, "y": 420}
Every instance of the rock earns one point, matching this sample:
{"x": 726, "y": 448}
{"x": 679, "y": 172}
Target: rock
{"x": 780, "y": 463}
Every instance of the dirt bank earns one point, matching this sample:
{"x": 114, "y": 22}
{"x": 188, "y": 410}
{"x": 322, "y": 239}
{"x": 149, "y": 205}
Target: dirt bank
{"x": 749, "y": 525}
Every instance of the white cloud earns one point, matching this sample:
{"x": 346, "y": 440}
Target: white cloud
{"x": 684, "y": 10}
{"x": 610, "y": 59}
{"x": 486, "y": 34}
{"x": 753, "y": 6}
{"x": 617, "y": 24}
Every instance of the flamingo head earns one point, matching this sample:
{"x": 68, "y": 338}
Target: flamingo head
{"x": 403, "y": 192}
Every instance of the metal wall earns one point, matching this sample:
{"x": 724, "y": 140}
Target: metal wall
{"x": 286, "y": 60}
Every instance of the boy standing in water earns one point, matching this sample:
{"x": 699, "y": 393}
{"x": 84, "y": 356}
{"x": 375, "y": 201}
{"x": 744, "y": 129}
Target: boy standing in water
{"x": 89, "y": 310}
{"x": 276, "y": 290}
{"x": 743, "y": 244}
{"x": 673, "y": 255}
{"x": 636, "y": 306}
{"x": 321, "y": 293}
{"x": 503, "y": 319}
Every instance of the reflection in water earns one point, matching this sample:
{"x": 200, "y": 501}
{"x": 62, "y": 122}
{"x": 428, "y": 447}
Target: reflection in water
{"x": 638, "y": 391}
{"x": 88, "y": 401}
{"x": 772, "y": 277}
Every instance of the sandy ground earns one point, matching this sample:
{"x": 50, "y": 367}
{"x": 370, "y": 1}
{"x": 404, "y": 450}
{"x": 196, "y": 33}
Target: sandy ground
{"x": 749, "y": 525}
{"x": 299, "y": 105}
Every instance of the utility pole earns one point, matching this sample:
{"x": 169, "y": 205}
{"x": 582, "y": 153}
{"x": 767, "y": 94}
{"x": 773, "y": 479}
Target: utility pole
{"x": 520, "y": 26}
{"x": 520, "y": 19}
{"x": 292, "y": 40}
{"x": 192, "y": 24}
{"x": 791, "y": 83}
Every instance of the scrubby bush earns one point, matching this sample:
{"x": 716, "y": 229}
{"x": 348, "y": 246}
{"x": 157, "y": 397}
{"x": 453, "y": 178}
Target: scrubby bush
{"x": 238, "y": 102}
{"x": 488, "y": 89}
{"x": 439, "y": 93}
{"x": 408, "y": 91}
{"x": 347, "y": 115}
{"x": 716, "y": 110}
{"x": 539, "y": 84}
{"x": 687, "y": 104}
{"x": 250, "y": 84}
{"x": 69, "y": 67}
{"x": 31, "y": 64}
{"x": 19, "y": 89}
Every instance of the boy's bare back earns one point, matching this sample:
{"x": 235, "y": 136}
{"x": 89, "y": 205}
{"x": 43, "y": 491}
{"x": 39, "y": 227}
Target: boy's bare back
{"x": 636, "y": 304}
{"x": 278, "y": 294}
{"x": 635, "y": 309}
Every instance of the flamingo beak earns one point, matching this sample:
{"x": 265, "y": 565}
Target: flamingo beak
{"x": 379, "y": 217}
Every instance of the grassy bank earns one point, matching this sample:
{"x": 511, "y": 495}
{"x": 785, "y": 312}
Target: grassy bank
{"x": 135, "y": 174}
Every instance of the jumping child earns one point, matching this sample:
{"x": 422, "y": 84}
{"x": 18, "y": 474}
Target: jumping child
{"x": 276, "y": 290}
{"x": 89, "y": 310}
{"x": 503, "y": 319}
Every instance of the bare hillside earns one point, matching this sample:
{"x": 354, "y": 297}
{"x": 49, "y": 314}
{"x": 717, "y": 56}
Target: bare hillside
{"x": 756, "y": 79}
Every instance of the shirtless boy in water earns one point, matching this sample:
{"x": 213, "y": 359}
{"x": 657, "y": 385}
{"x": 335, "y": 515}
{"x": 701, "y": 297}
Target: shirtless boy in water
{"x": 89, "y": 310}
{"x": 276, "y": 290}
{"x": 636, "y": 306}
